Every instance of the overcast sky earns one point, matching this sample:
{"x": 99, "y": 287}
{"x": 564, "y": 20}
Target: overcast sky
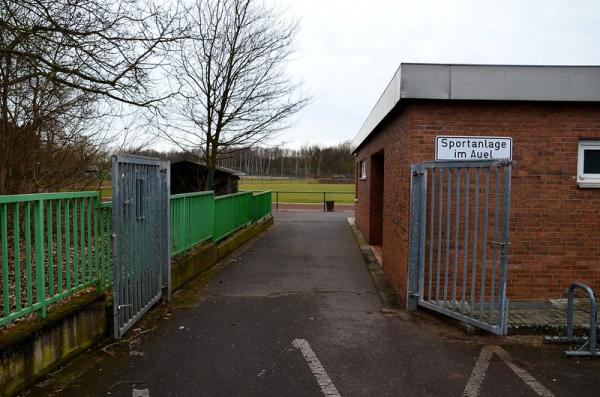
{"x": 349, "y": 50}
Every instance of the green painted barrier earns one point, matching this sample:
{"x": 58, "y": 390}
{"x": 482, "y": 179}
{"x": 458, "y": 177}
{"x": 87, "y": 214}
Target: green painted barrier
{"x": 64, "y": 241}
{"x": 262, "y": 204}
{"x": 192, "y": 218}
{"x": 52, "y": 245}
{"x": 232, "y": 212}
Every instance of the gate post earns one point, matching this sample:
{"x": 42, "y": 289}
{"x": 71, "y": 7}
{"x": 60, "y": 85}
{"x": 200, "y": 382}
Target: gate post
{"x": 417, "y": 185}
{"x": 504, "y": 249}
{"x": 165, "y": 185}
{"x": 116, "y": 230}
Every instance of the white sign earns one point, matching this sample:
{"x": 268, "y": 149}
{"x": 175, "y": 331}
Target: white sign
{"x": 473, "y": 148}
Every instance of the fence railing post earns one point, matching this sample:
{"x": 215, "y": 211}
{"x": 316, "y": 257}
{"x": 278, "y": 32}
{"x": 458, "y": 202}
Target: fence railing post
{"x": 4, "y": 259}
{"x": 38, "y": 232}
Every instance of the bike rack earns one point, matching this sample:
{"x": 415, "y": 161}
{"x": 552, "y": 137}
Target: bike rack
{"x": 588, "y": 349}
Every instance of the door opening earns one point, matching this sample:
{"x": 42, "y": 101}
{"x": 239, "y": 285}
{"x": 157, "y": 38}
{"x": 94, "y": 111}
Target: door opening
{"x": 376, "y": 194}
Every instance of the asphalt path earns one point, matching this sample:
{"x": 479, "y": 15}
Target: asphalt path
{"x": 296, "y": 313}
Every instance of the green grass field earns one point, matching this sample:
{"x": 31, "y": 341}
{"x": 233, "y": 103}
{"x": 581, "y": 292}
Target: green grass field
{"x": 309, "y": 191}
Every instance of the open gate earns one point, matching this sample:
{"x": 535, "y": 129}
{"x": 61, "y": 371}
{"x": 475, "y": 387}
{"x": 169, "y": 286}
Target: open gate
{"x": 458, "y": 244}
{"x": 140, "y": 219}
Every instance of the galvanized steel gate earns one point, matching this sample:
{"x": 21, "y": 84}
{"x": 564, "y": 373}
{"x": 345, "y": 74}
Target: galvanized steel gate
{"x": 140, "y": 219}
{"x": 458, "y": 243}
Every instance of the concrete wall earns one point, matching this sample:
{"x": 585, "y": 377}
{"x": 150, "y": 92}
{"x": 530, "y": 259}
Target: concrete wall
{"x": 554, "y": 224}
{"x": 32, "y": 349}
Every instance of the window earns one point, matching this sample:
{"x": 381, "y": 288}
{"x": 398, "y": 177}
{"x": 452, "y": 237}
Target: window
{"x": 363, "y": 169}
{"x": 588, "y": 164}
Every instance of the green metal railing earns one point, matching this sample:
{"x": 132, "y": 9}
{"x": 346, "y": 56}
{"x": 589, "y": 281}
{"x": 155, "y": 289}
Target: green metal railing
{"x": 262, "y": 204}
{"x": 192, "y": 218}
{"x": 313, "y": 193}
{"x": 196, "y": 217}
{"x": 51, "y": 246}
{"x": 105, "y": 240}
{"x": 232, "y": 211}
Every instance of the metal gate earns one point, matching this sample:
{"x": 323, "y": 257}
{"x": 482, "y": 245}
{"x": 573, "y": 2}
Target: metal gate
{"x": 458, "y": 242}
{"x": 140, "y": 219}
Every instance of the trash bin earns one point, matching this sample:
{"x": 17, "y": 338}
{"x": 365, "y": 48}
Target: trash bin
{"x": 329, "y": 205}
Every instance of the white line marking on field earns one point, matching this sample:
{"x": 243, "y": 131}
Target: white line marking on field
{"x": 473, "y": 387}
{"x": 324, "y": 381}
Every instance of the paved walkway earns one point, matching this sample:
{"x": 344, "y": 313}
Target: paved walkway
{"x": 297, "y": 314}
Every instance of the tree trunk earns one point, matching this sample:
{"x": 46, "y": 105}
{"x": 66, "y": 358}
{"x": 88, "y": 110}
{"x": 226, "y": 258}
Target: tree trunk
{"x": 319, "y": 166}
{"x": 211, "y": 165}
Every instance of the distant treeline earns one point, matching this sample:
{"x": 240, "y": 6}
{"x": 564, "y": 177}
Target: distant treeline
{"x": 310, "y": 161}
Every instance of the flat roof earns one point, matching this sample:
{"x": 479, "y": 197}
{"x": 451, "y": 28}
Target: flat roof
{"x": 203, "y": 164}
{"x": 482, "y": 82}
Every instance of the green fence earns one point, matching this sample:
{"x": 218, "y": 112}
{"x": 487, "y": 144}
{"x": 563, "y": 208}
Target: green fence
{"x": 51, "y": 246}
{"x": 196, "y": 217}
{"x": 232, "y": 211}
{"x": 192, "y": 219}
{"x": 262, "y": 204}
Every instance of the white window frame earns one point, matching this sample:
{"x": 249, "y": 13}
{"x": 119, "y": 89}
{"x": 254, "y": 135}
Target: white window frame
{"x": 363, "y": 169}
{"x": 587, "y": 180}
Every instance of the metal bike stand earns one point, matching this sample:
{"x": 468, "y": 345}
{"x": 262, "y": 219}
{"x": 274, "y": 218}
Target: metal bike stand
{"x": 588, "y": 349}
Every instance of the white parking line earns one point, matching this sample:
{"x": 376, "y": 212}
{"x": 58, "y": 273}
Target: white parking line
{"x": 324, "y": 381}
{"x": 140, "y": 393}
{"x": 473, "y": 387}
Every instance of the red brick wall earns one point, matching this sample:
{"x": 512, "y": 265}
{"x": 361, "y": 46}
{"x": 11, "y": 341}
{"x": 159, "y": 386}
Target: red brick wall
{"x": 393, "y": 141}
{"x": 555, "y": 226}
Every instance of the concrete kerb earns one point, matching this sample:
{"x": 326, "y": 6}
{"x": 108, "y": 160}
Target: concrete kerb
{"x": 34, "y": 348}
{"x": 388, "y": 296}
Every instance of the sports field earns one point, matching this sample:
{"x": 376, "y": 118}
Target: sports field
{"x": 302, "y": 190}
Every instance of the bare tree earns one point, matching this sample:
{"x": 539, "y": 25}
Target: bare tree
{"x": 234, "y": 89}
{"x": 58, "y": 60}
{"x": 99, "y": 46}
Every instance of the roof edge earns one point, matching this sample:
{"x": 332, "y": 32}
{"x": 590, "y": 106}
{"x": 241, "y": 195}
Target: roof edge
{"x": 485, "y": 82}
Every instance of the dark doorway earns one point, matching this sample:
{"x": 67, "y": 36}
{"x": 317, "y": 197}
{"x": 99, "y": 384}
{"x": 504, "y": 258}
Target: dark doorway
{"x": 376, "y": 195}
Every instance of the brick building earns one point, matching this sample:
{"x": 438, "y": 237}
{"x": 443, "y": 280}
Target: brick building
{"x": 552, "y": 115}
